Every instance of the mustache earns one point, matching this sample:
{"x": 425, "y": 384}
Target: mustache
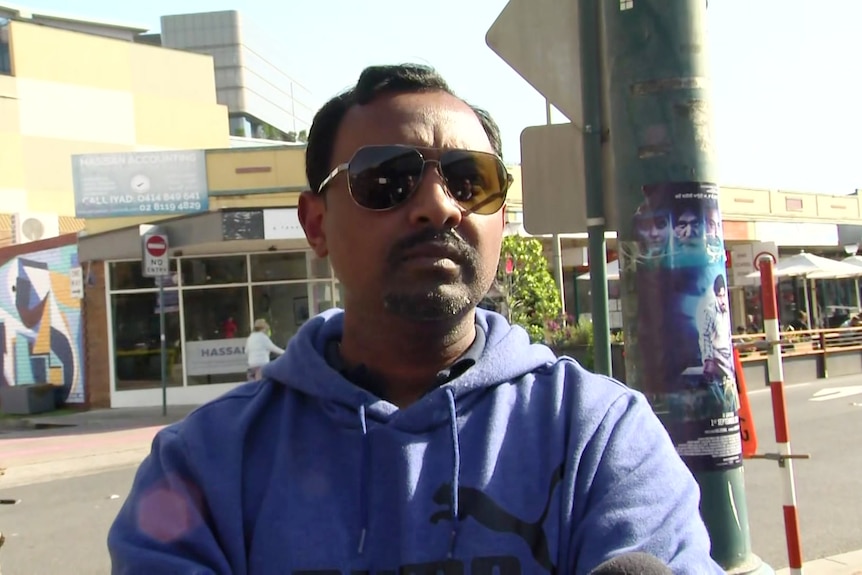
{"x": 450, "y": 238}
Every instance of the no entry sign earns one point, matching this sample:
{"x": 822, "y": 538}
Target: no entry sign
{"x": 155, "y": 261}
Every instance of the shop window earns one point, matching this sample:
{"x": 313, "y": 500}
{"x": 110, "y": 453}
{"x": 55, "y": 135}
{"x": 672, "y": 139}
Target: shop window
{"x": 287, "y": 306}
{"x": 129, "y": 276}
{"x": 214, "y": 271}
{"x": 286, "y": 266}
{"x": 217, "y": 324}
{"x": 137, "y": 342}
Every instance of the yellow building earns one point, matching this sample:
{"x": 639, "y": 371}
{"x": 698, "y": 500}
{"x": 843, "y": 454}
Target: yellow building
{"x": 72, "y": 87}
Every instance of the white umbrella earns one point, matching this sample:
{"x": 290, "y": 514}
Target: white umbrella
{"x": 613, "y": 272}
{"x": 812, "y": 267}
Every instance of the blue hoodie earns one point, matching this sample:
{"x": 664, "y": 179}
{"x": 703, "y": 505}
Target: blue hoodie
{"x": 523, "y": 463}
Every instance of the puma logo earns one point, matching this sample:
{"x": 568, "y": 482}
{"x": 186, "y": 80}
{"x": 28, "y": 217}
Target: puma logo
{"x": 488, "y": 513}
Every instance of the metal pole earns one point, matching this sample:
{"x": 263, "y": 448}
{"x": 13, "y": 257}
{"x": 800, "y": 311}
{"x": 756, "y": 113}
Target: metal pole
{"x": 775, "y": 369}
{"x": 858, "y": 296}
{"x": 596, "y": 225}
{"x": 163, "y": 343}
{"x": 557, "y": 248}
{"x": 673, "y": 279}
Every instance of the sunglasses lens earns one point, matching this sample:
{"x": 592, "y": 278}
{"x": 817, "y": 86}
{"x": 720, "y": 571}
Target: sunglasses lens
{"x": 382, "y": 177}
{"x": 477, "y": 180}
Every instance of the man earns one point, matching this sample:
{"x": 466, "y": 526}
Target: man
{"x": 715, "y": 337}
{"x": 716, "y": 350}
{"x": 411, "y": 433}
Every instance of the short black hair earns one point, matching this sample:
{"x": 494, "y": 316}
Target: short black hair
{"x": 374, "y": 81}
{"x": 719, "y": 284}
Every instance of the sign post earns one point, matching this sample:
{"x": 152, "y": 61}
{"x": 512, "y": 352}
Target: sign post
{"x": 554, "y": 46}
{"x": 156, "y": 264}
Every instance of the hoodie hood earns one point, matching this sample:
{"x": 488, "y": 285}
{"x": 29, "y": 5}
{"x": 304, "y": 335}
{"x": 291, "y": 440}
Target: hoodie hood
{"x": 507, "y": 356}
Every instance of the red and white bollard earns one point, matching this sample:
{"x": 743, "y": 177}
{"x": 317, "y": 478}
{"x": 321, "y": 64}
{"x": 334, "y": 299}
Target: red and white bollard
{"x": 779, "y": 412}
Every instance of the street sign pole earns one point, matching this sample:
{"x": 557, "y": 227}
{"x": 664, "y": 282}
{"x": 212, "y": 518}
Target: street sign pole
{"x": 592, "y": 150}
{"x": 673, "y": 282}
{"x": 164, "y": 347}
{"x": 155, "y": 263}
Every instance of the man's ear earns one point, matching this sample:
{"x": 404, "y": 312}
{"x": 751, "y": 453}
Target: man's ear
{"x": 311, "y": 211}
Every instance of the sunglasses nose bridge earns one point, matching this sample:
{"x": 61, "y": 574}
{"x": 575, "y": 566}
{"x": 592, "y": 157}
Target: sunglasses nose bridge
{"x": 437, "y": 166}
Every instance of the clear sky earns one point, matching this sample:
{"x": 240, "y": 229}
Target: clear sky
{"x": 787, "y": 74}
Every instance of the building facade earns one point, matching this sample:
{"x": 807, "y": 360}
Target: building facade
{"x": 263, "y": 100}
{"x": 64, "y": 91}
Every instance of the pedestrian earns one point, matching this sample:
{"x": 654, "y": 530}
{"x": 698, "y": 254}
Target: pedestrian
{"x": 259, "y": 349}
{"x": 229, "y": 328}
{"x": 411, "y": 432}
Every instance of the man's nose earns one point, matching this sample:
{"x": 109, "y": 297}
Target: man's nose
{"x": 431, "y": 203}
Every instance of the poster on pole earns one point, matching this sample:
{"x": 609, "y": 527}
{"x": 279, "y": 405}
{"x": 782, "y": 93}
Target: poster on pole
{"x": 682, "y": 326}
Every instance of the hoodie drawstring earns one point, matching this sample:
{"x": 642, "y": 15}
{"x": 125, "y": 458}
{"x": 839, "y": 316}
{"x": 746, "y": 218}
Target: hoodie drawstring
{"x": 363, "y": 485}
{"x": 456, "y": 470}
{"x": 456, "y": 475}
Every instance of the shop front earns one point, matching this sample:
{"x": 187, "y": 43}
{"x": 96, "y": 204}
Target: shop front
{"x": 213, "y": 295}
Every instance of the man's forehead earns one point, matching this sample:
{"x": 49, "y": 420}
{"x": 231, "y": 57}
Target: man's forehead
{"x": 426, "y": 119}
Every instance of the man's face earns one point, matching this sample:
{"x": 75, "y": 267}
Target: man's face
{"x": 713, "y": 227}
{"x": 721, "y": 299}
{"x": 425, "y": 259}
{"x": 687, "y": 227}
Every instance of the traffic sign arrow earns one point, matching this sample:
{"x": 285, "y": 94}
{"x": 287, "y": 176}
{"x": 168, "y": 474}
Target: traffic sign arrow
{"x": 540, "y": 40}
{"x": 830, "y": 393}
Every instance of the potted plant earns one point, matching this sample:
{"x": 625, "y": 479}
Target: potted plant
{"x": 572, "y": 338}
{"x": 576, "y": 340}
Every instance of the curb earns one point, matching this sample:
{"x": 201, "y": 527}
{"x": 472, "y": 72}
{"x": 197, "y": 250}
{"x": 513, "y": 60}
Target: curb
{"x": 89, "y": 464}
{"x": 16, "y": 424}
{"x": 25, "y": 424}
{"x": 849, "y": 563}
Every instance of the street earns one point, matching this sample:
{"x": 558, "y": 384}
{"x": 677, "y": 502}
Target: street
{"x": 60, "y": 526}
{"x": 827, "y": 485}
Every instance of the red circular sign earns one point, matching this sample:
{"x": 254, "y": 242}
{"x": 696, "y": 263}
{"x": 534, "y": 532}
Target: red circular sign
{"x": 761, "y": 256}
{"x": 156, "y": 246}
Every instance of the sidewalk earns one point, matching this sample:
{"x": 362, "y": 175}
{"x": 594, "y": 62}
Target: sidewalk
{"x": 843, "y": 564}
{"x": 118, "y": 418}
{"x": 47, "y": 447}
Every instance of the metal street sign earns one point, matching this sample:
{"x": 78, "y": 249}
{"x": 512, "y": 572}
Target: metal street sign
{"x": 155, "y": 261}
{"x": 76, "y": 282}
{"x": 744, "y": 260}
{"x": 553, "y": 182}
{"x": 538, "y": 39}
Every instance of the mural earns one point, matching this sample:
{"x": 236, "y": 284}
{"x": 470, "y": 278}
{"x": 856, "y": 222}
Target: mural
{"x": 41, "y": 336}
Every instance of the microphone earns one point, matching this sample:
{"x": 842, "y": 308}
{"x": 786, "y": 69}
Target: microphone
{"x": 632, "y": 564}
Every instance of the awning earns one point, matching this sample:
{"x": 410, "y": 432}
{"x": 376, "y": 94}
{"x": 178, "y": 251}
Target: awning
{"x": 254, "y": 229}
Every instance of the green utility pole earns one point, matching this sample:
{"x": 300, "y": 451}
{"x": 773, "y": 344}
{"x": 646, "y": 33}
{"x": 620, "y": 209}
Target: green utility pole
{"x": 673, "y": 278}
{"x": 596, "y": 224}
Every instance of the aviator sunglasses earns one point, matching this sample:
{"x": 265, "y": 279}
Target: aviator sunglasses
{"x": 382, "y": 178}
